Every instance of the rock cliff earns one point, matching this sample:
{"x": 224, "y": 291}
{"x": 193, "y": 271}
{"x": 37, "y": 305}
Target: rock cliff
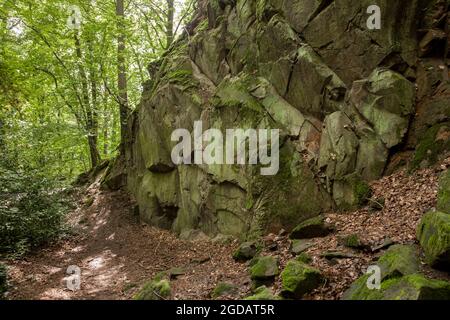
{"x": 351, "y": 104}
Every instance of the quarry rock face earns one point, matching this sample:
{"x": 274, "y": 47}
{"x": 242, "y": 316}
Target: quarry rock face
{"x": 346, "y": 100}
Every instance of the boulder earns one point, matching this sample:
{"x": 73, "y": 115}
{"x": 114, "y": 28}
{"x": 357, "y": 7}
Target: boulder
{"x": 311, "y": 228}
{"x": 246, "y": 251}
{"x": 398, "y": 260}
{"x": 410, "y": 287}
{"x": 298, "y": 246}
{"x": 264, "y": 268}
{"x": 443, "y": 201}
{"x": 298, "y": 278}
{"x": 433, "y": 233}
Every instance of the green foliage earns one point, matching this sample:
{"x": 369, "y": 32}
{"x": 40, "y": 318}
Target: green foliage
{"x": 59, "y": 99}
{"x": 31, "y": 211}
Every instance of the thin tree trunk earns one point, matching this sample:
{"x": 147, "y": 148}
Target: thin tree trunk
{"x": 169, "y": 22}
{"x": 90, "y": 114}
{"x": 105, "y": 126}
{"x": 122, "y": 75}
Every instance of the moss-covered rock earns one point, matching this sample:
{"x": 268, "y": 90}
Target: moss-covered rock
{"x": 298, "y": 279}
{"x": 304, "y": 257}
{"x": 262, "y": 293}
{"x": 433, "y": 233}
{"x": 351, "y": 192}
{"x": 300, "y": 245}
{"x": 245, "y": 251}
{"x": 443, "y": 202}
{"x": 410, "y": 287}
{"x": 432, "y": 146}
{"x": 311, "y": 228}
{"x": 387, "y": 103}
{"x": 398, "y": 260}
{"x": 264, "y": 268}
{"x": 273, "y": 65}
{"x": 224, "y": 288}
{"x": 156, "y": 289}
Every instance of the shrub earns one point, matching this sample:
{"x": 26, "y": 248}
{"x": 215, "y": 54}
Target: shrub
{"x": 30, "y": 211}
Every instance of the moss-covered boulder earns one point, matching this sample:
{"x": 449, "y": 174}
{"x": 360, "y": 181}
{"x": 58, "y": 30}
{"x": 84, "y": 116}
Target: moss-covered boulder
{"x": 3, "y": 280}
{"x": 224, "y": 288}
{"x": 433, "y": 233}
{"x": 156, "y": 289}
{"x": 264, "y": 268}
{"x": 298, "y": 279}
{"x": 410, "y": 287}
{"x": 443, "y": 202}
{"x": 245, "y": 251}
{"x": 398, "y": 260}
{"x": 262, "y": 293}
{"x": 396, "y": 263}
{"x": 311, "y": 228}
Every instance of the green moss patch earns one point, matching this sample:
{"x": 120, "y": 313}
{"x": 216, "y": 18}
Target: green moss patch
{"x": 298, "y": 279}
{"x": 156, "y": 289}
{"x": 443, "y": 202}
{"x": 433, "y": 233}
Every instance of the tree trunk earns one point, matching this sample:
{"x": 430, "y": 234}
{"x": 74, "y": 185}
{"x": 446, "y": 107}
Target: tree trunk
{"x": 122, "y": 75}
{"x": 169, "y": 23}
{"x": 90, "y": 113}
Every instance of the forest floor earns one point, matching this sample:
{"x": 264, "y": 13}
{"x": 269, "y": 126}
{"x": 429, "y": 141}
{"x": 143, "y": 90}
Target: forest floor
{"x": 117, "y": 254}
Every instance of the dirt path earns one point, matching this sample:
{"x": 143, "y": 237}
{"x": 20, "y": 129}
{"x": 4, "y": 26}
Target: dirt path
{"x": 116, "y": 255}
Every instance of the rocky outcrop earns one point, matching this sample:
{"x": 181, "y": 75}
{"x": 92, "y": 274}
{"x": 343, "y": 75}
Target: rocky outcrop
{"x": 342, "y": 96}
